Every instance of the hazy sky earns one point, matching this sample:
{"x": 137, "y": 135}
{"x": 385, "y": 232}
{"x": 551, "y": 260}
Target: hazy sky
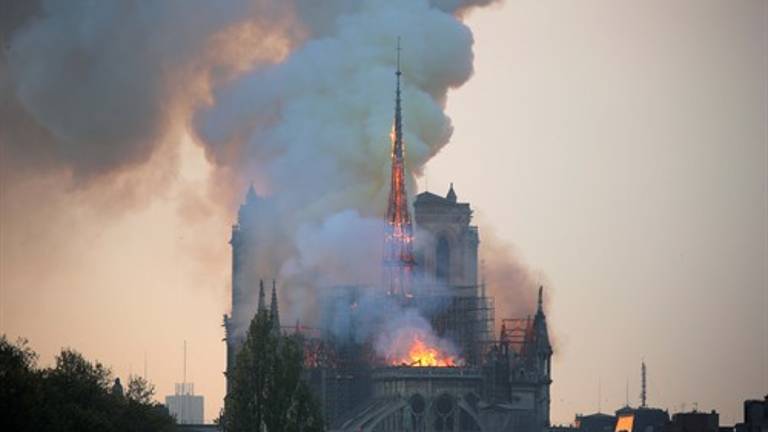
{"x": 620, "y": 147}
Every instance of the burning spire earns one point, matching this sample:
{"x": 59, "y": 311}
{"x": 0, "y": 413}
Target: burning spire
{"x": 398, "y": 240}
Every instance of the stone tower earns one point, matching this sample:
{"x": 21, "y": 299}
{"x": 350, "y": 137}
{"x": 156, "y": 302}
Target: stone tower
{"x": 447, "y": 243}
{"x": 250, "y": 263}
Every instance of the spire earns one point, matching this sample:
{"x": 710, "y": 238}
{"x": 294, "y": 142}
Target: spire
{"x": 247, "y": 208}
{"x": 540, "y": 309}
{"x": 273, "y": 312}
{"x": 397, "y": 151}
{"x": 251, "y": 195}
{"x": 451, "y": 194}
{"x": 398, "y": 240}
{"x": 262, "y": 305}
{"x": 540, "y": 325}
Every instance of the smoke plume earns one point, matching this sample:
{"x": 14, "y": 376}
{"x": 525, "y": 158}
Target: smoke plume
{"x": 95, "y": 87}
{"x": 294, "y": 97}
{"x": 312, "y": 132}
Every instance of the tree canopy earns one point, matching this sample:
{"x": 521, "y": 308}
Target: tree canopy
{"x": 73, "y": 395}
{"x": 267, "y": 392}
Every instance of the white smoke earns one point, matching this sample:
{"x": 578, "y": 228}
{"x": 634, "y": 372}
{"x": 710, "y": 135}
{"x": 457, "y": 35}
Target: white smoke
{"x": 313, "y": 131}
{"x": 95, "y": 86}
{"x": 297, "y": 97}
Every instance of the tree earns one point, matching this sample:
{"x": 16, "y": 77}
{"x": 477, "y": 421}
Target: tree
{"x": 141, "y": 412}
{"x": 20, "y": 388}
{"x": 77, "y": 394}
{"x": 74, "y": 395}
{"x": 139, "y": 390}
{"x": 267, "y": 390}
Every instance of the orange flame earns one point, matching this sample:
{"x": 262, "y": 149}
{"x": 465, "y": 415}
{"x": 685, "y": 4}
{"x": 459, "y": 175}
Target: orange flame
{"x": 420, "y": 354}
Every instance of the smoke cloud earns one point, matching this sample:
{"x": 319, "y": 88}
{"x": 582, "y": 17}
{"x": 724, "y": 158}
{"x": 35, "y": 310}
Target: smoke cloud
{"x": 508, "y": 279}
{"x": 294, "y": 97}
{"x": 95, "y": 87}
{"x": 312, "y": 132}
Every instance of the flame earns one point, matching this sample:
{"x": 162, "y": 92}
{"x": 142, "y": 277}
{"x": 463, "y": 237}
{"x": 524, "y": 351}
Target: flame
{"x": 421, "y": 354}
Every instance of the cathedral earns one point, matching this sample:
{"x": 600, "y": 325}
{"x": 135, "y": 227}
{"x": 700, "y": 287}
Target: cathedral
{"x": 498, "y": 381}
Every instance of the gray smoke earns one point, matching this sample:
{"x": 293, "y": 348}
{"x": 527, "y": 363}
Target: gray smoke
{"x": 312, "y": 132}
{"x": 293, "y": 96}
{"x": 95, "y": 86}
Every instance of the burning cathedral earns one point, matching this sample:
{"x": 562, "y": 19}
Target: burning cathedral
{"x": 435, "y": 359}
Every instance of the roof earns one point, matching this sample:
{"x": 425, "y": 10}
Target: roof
{"x": 428, "y": 198}
{"x": 595, "y": 415}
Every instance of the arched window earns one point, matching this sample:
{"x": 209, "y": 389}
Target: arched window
{"x": 442, "y": 260}
{"x": 443, "y": 413}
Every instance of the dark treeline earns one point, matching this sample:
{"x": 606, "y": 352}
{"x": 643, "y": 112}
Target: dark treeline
{"x": 73, "y": 395}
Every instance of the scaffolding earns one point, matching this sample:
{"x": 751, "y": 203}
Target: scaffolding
{"x": 517, "y": 333}
{"x": 467, "y": 321}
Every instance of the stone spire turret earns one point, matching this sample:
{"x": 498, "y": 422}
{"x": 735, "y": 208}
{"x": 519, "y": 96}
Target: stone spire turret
{"x": 262, "y": 303}
{"x": 251, "y": 195}
{"x": 540, "y": 308}
{"x": 451, "y": 194}
{"x": 274, "y": 314}
{"x": 540, "y": 326}
{"x": 543, "y": 353}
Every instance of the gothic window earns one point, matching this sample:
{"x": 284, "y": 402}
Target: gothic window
{"x": 443, "y": 413}
{"x": 443, "y": 260}
{"x": 417, "y": 404}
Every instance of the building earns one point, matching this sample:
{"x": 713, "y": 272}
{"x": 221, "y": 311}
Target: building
{"x": 197, "y": 428}
{"x": 184, "y": 406}
{"x": 642, "y": 419}
{"x": 598, "y": 422}
{"x": 503, "y": 378}
{"x": 694, "y": 421}
{"x": 563, "y": 428}
{"x": 448, "y": 253}
{"x": 755, "y": 416}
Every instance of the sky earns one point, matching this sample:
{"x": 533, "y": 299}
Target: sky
{"x": 623, "y": 151}
{"x": 618, "y": 149}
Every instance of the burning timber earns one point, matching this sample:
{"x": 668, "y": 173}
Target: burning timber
{"x": 433, "y": 360}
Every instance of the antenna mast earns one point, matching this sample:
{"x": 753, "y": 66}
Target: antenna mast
{"x": 643, "y": 388}
{"x": 184, "y": 378}
{"x": 599, "y": 394}
{"x": 626, "y": 393}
